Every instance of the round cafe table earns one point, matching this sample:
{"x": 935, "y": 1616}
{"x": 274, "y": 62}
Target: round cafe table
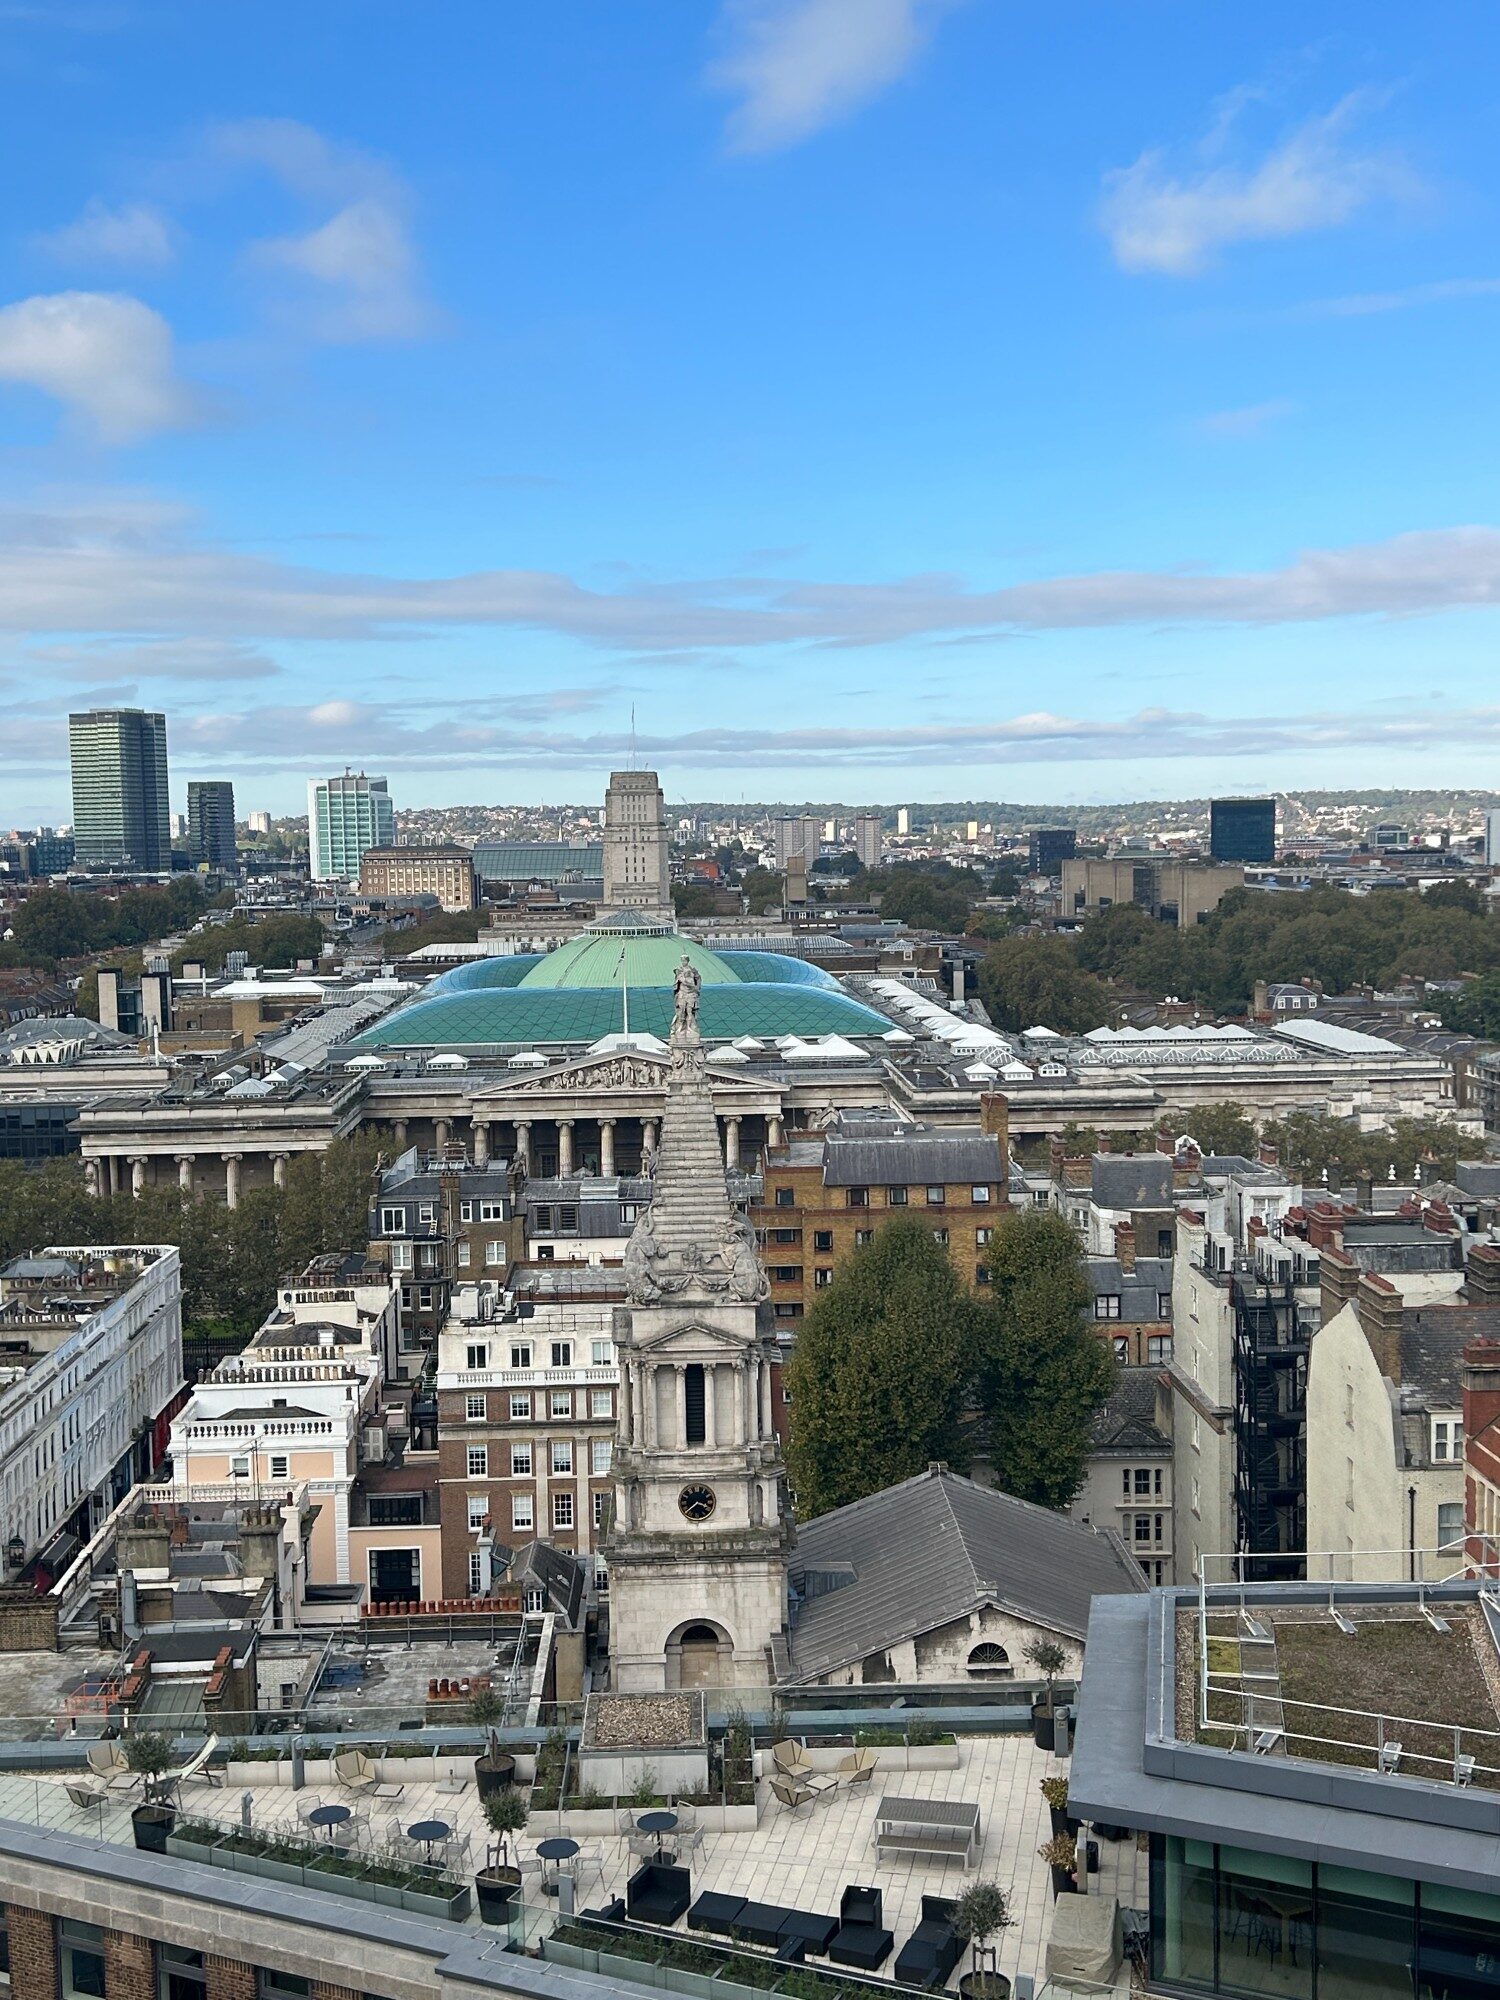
{"x": 429, "y": 1832}
{"x": 555, "y": 1850}
{"x": 659, "y": 1823}
{"x": 326, "y": 1818}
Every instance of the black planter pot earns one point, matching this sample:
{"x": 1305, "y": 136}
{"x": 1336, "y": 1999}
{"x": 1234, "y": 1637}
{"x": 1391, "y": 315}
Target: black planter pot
{"x": 151, "y": 1825}
{"x": 1041, "y": 1728}
{"x": 1091, "y": 1856}
{"x": 984, "y": 1985}
{"x": 497, "y": 1890}
{"x": 1063, "y": 1883}
{"x": 493, "y": 1773}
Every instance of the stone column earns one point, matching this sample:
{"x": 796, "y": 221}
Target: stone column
{"x": 606, "y": 1146}
{"x": 648, "y": 1139}
{"x": 731, "y": 1142}
{"x": 481, "y": 1142}
{"x": 185, "y": 1172}
{"x": 682, "y": 1436}
{"x": 400, "y": 1130}
{"x": 91, "y": 1176}
{"x": 523, "y": 1142}
{"x": 710, "y": 1414}
{"x": 765, "y": 1398}
{"x": 773, "y": 1129}
{"x": 646, "y": 1391}
{"x": 278, "y": 1170}
{"x": 439, "y": 1133}
{"x": 137, "y": 1176}
{"x": 747, "y": 1413}
{"x": 565, "y": 1146}
{"x": 232, "y": 1179}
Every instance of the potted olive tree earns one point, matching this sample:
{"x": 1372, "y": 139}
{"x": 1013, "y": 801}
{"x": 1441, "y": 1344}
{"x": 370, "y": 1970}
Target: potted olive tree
{"x": 1049, "y": 1659}
{"x": 494, "y": 1768}
{"x": 149, "y": 1754}
{"x": 1055, "y": 1792}
{"x": 499, "y": 1881}
{"x": 981, "y": 1913}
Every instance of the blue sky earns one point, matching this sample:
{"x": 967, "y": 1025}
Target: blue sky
{"x": 884, "y": 398}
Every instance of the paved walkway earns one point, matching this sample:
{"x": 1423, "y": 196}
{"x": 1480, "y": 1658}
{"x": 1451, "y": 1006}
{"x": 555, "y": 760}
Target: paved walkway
{"x": 801, "y": 1858}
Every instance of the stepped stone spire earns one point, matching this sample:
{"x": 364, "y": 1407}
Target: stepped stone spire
{"x": 692, "y": 1241}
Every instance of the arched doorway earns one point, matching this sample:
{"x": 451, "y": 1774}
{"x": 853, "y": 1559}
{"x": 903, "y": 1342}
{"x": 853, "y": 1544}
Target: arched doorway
{"x": 699, "y": 1655}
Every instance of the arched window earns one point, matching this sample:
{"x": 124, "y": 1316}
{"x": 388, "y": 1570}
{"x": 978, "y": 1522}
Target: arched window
{"x": 988, "y": 1662}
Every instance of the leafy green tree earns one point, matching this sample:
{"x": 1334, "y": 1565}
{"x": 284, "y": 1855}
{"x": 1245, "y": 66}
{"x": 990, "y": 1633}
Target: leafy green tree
{"x": 881, "y": 1373}
{"x": 693, "y": 899}
{"x": 1476, "y": 1010}
{"x": 1043, "y": 1373}
{"x": 1037, "y": 982}
{"x": 763, "y": 889}
{"x": 272, "y": 942}
{"x": 1222, "y": 1128}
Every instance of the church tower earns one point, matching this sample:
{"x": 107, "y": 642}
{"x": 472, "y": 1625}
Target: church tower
{"x": 697, "y": 1550}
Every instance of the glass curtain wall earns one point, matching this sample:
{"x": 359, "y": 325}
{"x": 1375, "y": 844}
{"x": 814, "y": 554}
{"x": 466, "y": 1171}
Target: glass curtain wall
{"x": 1269, "y": 1927}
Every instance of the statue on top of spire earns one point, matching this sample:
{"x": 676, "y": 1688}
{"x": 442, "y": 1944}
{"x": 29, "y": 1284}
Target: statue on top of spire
{"x": 687, "y": 985}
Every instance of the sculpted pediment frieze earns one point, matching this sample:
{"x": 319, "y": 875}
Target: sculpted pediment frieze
{"x": 621, "y": 1072}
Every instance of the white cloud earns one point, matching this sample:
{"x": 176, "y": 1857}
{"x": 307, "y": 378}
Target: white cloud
{"x": 131, "y": 565}
{"x": 1246, "y": 421}
{"x": 1161, "y": 219}
{"x": 206, "y": 660}
{"x": 135, "y": 233}
{"x": 355, "y": 273}
{"x": 106, "y": 357}
{"x": 1361, "y": 305}
{"x": 798, "y": 65}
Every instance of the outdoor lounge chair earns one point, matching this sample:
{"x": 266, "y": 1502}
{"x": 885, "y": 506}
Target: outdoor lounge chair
{"x": 791, "y": 1759}
{"x": 934, "y": 1947}
{"x": 195, "y": 1767}
{"x": 84, "y": 1795}
{"x": 658, "y": 1893}
{"x": 856, "y": 1769}
{"x": 815, "y": 1931}
{"x": 715, "y": 1912}
{"x": 861, "y": 1938}
{"x": 108, "y": 1762}
{"x": 356, "y": 1769}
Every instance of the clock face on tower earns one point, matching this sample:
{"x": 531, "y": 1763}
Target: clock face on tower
{"x": 697, "y": 1502}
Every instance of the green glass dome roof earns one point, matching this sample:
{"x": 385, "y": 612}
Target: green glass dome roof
{"x": 579, "y": 993}
{"x": 625, "y": 954}
{"x": 525, "y": 1017}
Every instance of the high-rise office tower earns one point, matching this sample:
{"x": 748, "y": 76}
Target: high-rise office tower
{"x": 1492, "y": 838}
{"x": 345, "y": 817}
{"x": 211, "y": 822}
{"x": 1242, "y": 829}
{"x": 868, "y": 829}
{"x": 797, "y": 835}
{"x": 121, "y": 818}
{"x": 903, "y": 822}
{"x": 1050, "y": 847}
{"x": 636, "y": 872}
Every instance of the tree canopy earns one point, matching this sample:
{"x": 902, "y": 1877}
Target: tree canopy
{"x": 1029, "y": 982}
{"x": 1044, "y": 1373}
{"x": 880, "y": 1375}
{"x": 899, "y": 1363}
{"x": 273, "y": 941}
{"x": 1475, "y": 1010}
{"x": 232, "y": 1259}
{"x": 52, "y": 924}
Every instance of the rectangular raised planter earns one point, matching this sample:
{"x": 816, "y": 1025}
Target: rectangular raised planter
{"x": 629, "y": 1971}
{"x": 696, "y": 1985}
{"x": 580, "y": 1957}
{"x": 451, "y": 1907}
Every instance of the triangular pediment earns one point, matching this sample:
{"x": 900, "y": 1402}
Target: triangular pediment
{"x": 695, "y": 1334}
{"x": 636, "y": 1070}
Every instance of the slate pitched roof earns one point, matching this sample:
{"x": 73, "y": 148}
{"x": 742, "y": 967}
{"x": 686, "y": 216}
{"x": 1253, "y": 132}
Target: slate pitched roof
{"x": 1132, "y": 1180}
{"x": 931, "y": 1550}
{"x": 912, "y": 1158}
{"x": 1127, "y": 1423}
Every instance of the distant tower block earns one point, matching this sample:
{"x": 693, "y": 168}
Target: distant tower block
{"x": 636, "y": 875}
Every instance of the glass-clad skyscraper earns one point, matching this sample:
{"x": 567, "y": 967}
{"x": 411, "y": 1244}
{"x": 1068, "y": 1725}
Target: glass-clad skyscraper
{"x": 1242, "y": 830}
{"x": 345, "y": 817}
{"x": 120, "y": 811}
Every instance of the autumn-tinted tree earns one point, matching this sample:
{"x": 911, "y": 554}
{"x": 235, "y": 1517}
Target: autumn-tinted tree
{"x": 881, "y": 1375}
{"x": 1037, "y": 982}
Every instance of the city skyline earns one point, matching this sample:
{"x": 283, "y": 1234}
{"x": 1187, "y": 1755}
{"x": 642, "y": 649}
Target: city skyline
{"x": 841, "y": 399}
